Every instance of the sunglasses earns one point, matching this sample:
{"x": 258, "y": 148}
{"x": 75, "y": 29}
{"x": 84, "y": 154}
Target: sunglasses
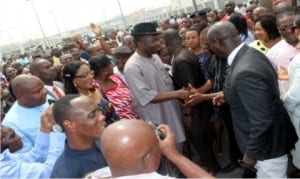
{"x": 85, "y": 75}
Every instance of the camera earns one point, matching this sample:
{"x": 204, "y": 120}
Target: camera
{"x": 158, "y": 132}
{"x": 51, "y": 101}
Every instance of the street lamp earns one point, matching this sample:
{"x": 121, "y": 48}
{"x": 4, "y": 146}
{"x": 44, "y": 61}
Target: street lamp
{"x": 104, "y": 15}
{"x": 39, "y": 22}
{"x": 58, "y": 30}
{"x": 216, "y": 4}
{"x": 123, "y": 18}
{"x": 195, "y": 5}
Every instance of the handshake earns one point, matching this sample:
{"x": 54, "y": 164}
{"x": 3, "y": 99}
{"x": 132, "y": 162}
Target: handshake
{"x": 192, "y": 96}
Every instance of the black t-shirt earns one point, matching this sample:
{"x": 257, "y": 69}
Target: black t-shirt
{"x": 77, "y": 163}
{"x": 186, "y": 69}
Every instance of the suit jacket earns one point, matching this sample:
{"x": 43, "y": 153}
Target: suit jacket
{"x": 262, "y": 125}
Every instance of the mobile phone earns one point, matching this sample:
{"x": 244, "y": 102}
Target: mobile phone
{"x": 158, "y": 132}
{"x": 51, "y": 101}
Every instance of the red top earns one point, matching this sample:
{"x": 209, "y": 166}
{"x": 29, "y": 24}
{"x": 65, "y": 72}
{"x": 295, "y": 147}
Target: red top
{"x": 121, "y": 98}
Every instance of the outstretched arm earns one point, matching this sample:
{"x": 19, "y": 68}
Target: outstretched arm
{"x": 186, "y": 166}
{"x": 98, "y": 32}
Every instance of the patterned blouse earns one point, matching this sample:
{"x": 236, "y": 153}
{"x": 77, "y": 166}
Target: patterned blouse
{"x": 121, "y": 98}
{"x": 106, "y": 107}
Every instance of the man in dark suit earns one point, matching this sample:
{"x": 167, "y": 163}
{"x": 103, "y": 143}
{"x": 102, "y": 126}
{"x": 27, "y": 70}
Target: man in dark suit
{"x": 261, "y": 123}
{"x": 186, "y": 70}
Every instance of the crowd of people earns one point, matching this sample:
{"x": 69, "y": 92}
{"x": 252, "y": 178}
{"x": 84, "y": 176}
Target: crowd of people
{"x": 111, "y": 107}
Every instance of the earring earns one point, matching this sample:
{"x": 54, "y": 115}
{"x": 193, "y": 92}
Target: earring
{"x": 75, "y": 85}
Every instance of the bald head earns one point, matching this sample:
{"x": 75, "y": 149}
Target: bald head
{"x": 35, "y": 65}
{"x": 172, "y": 40}
{"x": 133, "y": 150}
{"x": 171, "y": 35}
{"x": 29, "y": 90}
{"x": 43, "y": 69}
{"x": 23, "y": 83}
{"x": 259, "y": 11}
{"x": 223, "y": 38}
{"x": 222, "y": 29}
{"x": 283, "y": 7}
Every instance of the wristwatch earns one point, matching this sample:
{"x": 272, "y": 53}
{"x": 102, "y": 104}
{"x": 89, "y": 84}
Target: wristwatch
{"x": 56, "y": 128}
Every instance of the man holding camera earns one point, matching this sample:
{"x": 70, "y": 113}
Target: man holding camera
{"x": 144, "y": 160}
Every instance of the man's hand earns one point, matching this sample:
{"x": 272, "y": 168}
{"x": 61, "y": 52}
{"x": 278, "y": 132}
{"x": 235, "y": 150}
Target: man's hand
{"x": 96, "y": 29}
{"x": 219, "y": 99}
{"x": 183, "y": 94}
{"x": 47, "y": 120}
{"x": 249, "y": 162}
{"x": 192, "y": 89}
{"x": 186, "y": 166}
{"x": 283, "y": 73}
{"x": 194, "y": 99}
{"x": 167, "y": 145}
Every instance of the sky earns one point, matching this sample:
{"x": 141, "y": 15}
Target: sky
{"x": 18, "y": 21}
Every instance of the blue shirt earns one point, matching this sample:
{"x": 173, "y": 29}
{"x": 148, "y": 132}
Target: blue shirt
{"x": 25, "y": 122}
{"x": 77, "y": 163}
{"x": 202, "y": 58}
{"x": 38, "y": 162}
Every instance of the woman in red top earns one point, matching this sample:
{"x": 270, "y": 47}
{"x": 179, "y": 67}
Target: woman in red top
{"x": 113, "y": 87}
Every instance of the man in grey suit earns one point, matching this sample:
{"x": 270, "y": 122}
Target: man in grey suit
{"x": 261, "y": 123}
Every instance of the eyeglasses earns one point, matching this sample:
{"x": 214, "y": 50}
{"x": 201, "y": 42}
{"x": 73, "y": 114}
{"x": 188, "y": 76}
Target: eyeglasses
{"x": 85, "y": 75}
{"x": 292, "y": 28}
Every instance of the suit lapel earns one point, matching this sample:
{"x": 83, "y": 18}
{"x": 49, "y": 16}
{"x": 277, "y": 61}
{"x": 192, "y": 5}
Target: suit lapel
{"x": 228, "y": 81}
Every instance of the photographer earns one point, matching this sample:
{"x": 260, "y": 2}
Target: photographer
{"x": 135, "y": 152}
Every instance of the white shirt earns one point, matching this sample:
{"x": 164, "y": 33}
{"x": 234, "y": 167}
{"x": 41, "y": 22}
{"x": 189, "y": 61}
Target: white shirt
{"x": 232, "y": 55}
{"x": 105, "y": 173}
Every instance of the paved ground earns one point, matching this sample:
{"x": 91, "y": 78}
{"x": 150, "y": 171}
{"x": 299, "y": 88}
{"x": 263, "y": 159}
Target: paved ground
{"x": 238, "y": 172}
{"x": 225, "y": 160}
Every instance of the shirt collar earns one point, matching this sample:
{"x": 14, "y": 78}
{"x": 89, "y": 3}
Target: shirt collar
{"x": 234, "y": 53}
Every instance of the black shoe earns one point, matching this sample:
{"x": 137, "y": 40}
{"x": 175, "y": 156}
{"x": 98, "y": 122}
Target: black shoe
{"x": 249, "y": 174}
{"x": 294, "y": 174}
{"x": 229, "y": 168}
